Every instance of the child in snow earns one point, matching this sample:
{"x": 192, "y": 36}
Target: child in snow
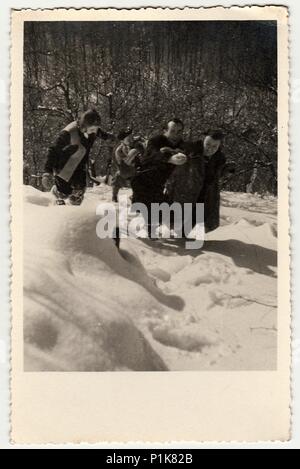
{"x": 127, "y": 156}
{"x": 68, "y": 158}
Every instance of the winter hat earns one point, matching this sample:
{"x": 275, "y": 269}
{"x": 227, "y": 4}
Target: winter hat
{"x": 89, "y": 118}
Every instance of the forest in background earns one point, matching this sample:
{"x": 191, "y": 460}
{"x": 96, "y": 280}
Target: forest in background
{"x": 210, "y": 74}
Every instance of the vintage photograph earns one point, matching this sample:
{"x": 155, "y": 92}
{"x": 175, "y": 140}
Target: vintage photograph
{"x": 119, "y": 115}
{"x": 150, "y": 225}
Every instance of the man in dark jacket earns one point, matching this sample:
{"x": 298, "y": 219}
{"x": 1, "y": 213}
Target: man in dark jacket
{"x": 68, "y": 158}
{"x": 157, "y": 165}
{"x": 186, "y": 181}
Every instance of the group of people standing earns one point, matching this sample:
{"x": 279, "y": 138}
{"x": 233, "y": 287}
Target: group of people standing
{"x": 166, "y": 168}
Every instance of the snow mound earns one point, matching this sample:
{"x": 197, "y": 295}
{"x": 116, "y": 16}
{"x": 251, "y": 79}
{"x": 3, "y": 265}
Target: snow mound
{"x": 151, "y": 305}
{"x": 77, "y": 293}
{"x": 35, "y": 197}
{"x": 184, "y": 339}
{"x": 252, "y": 202}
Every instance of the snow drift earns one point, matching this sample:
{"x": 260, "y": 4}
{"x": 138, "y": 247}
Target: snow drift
{"x": 77, "y": 290}
{"x": 153, "y": 306}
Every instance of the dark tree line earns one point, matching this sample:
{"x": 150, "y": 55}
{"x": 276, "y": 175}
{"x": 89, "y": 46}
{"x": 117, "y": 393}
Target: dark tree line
{"x": 210, "y": 74}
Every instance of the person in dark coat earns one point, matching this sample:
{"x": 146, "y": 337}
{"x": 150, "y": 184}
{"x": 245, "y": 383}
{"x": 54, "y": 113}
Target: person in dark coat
{"x": 186, "y": 181}
{"x": 67, "y": 159}
{"x": 215, "y": 167}
{"x": 157, "y": 165}
{"x": 198, "y": 180}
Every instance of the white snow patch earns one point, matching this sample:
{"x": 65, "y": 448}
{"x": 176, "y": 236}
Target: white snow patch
{"x": 153, "y": 305}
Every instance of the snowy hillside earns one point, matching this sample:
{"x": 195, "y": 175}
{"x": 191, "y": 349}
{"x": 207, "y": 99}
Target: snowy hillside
{"x": 152, "y": 306}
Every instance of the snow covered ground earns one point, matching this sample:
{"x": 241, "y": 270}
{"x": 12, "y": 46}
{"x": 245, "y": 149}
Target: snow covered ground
{"x": 153, "y": 306}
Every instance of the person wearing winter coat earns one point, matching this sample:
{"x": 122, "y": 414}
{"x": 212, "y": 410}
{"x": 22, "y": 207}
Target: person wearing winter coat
{"x": 67, "y": 159}
{"x": 198, "y": 180}
{"x": 215, "y": 167}
{"x": 157, "y": 164}
{"x": 127, "y": 156}
{"x": 186, "y": 181}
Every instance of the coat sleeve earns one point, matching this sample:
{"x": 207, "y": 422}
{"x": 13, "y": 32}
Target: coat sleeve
{"x": 55, "y": 151}
{"x": 105, "y": 135}
{"x": 153, "y": 154}
{"x": 119, "y": 155}
{"x": 221, "y": 164}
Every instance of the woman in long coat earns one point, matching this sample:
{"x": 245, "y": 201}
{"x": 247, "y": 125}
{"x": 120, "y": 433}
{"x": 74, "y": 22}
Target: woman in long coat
{"x": 198, "y": 181}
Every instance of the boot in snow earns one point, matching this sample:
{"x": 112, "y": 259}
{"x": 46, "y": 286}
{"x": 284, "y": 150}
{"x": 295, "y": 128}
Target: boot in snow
{"x": 60, "y": 202}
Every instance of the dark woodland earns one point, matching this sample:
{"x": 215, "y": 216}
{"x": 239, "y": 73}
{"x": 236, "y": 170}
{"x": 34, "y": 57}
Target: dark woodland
{"x": 140, "y": 74}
